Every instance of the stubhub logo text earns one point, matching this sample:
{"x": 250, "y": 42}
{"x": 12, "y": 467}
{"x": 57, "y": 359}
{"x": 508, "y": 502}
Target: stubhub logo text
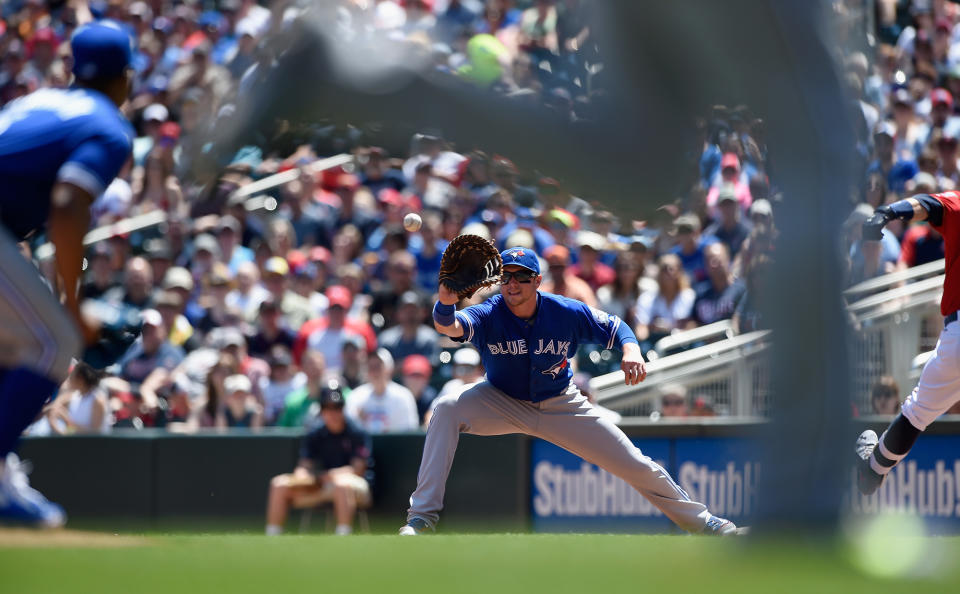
{"x": 585, "y": 491}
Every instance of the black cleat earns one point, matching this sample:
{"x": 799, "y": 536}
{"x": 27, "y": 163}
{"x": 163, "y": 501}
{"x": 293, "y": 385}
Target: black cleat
{"x": 868, "y": 481}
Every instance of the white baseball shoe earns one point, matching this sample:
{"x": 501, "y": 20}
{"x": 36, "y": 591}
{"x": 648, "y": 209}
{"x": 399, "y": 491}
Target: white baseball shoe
{"x": 416, "y": 526}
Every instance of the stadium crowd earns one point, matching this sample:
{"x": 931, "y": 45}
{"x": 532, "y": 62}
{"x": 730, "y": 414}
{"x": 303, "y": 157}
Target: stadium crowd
{"x": 250, "y": 313}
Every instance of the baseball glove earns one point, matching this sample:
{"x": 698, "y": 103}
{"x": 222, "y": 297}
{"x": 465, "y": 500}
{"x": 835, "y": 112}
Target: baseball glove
{"x": 469, "y": 263}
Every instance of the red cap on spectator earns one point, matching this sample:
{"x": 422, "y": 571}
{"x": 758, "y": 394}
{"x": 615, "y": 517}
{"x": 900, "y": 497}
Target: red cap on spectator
{"x": 730, "y": 160}
{"x": 391, "y": 197}
{"x": 557, "y": 254}
{"x": 347, "y": 180}
{"x": 170, "y": 130}
{"x": 944, "y": 24}
{"x": 941, "y": 97}
{"x": 296, "y": 258}
{"x": 416, "y": 365}
{"x": 319, "y": 254}
{"x": 339, "y": 295}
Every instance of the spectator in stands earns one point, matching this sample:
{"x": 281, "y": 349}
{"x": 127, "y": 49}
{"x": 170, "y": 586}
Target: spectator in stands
{"x": 719, "y": 295}
{"x": 921, "y": 244}
{"x": 334, "y": 466}
{"x": 730, "y": 175}
{"x": 749, "y": 314}
{"x": 354, "y": 359}
{"x": 669, "y": 308}
{"x": 137, "y": 289}
{"x": 283, "y": 379}
{"x": 589, "y": 267}
{"x": 100, "y": 277}
{"x": 415, "y": 376}
{"x": 231, "y": 252}
{"x": 619, "y": 297}
{"x": 467, "y": 369}
{"x": 410, "y": 336}
{"x": 561, "y": 280}
{"x": 210, "y": 412}
{"x": 295, "y": 309}
{"x": 673, "y": 401}
{"x": 885, "y": 396}
{"x": 382, "y": 405}
{"x": 401, "y": 269}
{"x": 271, "y": 331}
{"x": 214, "y": 306}
{"x": 328, "y": 334}
{"x": 731, "y": 229}
{"x": 81, "y": 406}
{"x": 690, "y": 246}
{"x": 300, "y": 404}
{"x": 241, "y": 407}
{"x": 150, "y": 351}
{"x": 248, "y": 294}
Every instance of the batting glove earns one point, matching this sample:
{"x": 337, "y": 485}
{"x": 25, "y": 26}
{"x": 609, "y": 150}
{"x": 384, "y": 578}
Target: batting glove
{"x": 873, "y": 227}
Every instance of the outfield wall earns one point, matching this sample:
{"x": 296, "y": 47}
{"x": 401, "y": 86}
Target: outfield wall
{"x": 512, "y": 481}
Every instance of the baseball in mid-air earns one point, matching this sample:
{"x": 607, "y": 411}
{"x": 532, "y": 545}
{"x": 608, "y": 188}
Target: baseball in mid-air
{"x": 412, "y": 222}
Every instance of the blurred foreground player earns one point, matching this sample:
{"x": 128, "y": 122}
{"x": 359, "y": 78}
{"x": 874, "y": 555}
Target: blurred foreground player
{"x": 939, "y": 385}
{"x": 59, "y": 149}
{"x": 525, "y": 339}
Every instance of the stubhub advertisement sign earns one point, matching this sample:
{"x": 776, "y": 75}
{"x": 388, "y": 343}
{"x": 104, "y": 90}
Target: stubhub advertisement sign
{"x": 567, "y": 494}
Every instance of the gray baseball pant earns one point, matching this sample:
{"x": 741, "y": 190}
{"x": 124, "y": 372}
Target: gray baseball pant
{"x": 567, "y": 420}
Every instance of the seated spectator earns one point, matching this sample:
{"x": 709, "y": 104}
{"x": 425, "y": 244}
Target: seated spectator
{"x": 137, "y": 288}
{"x": 885, "y": 396}
{"x": 673, "y": 401}
{"x": 589, "y": 267}
{"x": 729, "y": 174}
{"x": 170, "y": 305}
{"x": 401, "y": 270}
{"x": 561, "y": 280}
{"x": 467, "y": 369}
{"x": 619, "y": 297}
{"x": 81, "y": 406}
{"x": 669, "y": 308}
{"x": 295, "y": 309}
{"x": 299, "y": 404}
{"x": 327, "y": 334}
{"x": 410, "y": 336}
{"x": 749, "y": 316}
{"x": 248, "y": 293}
{"x": 100, "y": 276}
{"x": 731, "y": 229}
{"x": 690, "y": 246}
{"x": 382, "y": 405}
{"x": 216, "y": 311}
{"x": 415, "y": 374}
{"x": 270, "y": 330}
{"x": 231, "y": 252}
{"x": 241, "y": 407}
{"x": 151, "y": 350}
{"x": 354, "y": 359}
{"x": 210, "y": 413}
{"x": 283, "y": 379}
{"x": 719, "y": 295}
{"x": 334, "y": 466}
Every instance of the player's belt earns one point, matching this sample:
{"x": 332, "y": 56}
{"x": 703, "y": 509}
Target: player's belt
{"x": 951, "y": 318}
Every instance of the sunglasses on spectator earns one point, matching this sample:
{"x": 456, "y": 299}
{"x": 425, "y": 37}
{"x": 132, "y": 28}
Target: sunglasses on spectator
{"x": 522, "y": 276}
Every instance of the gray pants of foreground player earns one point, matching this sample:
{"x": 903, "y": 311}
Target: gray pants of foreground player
{"x": 568, "y": 421}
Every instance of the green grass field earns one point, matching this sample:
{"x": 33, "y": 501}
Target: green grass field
{"x": 79, "y": 562}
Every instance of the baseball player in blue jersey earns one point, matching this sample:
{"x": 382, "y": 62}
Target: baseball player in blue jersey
{"x": 59, "y": 149}
{"x": 526, "y": 338}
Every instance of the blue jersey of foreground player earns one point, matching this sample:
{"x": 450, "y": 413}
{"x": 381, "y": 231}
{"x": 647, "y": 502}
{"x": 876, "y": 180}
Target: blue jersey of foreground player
{"x": 528, "y": 359}
{"x": 57, "y": 135}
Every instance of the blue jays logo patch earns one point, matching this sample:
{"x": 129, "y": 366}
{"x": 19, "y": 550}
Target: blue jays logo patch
{"x": 517, "y": 253}
{"x": 554, "y": 371}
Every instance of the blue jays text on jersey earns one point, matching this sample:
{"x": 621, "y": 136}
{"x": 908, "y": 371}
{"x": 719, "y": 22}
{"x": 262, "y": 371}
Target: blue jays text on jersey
{"x": 73, "y": 135}
{"x": 528, "y": 359}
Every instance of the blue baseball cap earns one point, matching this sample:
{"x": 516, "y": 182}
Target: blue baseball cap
{"x": 102, "y": 49}
{"x": 521, "y": 256}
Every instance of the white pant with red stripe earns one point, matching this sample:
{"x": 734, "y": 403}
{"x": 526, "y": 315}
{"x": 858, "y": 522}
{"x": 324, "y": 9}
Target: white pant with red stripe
{"x": 939, "y": 385}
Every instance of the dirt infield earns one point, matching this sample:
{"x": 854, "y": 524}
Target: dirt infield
{"x": 27, "y": 538}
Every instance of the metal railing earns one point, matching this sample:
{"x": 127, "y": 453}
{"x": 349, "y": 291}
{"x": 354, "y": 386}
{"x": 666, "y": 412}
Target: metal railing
{"x": 896, "y": 321}
{"x": 254, "y": 192}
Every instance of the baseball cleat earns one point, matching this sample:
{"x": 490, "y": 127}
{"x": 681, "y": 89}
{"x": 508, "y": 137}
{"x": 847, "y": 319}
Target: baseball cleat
{"x": 22, "y": 504}
{"x": 717, "y": 526}
{"x": 416, "y": 526}
{"x": 868, "y": 481}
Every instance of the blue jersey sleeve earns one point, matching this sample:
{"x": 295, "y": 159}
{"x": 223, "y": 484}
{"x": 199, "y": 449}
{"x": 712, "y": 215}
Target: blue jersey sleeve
{"x": 95, "y": 162}
{"x": 599, "y": 327}
{"x": 473, "y": 319}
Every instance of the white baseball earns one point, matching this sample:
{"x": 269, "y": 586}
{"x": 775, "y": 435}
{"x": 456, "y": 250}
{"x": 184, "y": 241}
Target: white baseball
{"x": 412, "y": 222}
